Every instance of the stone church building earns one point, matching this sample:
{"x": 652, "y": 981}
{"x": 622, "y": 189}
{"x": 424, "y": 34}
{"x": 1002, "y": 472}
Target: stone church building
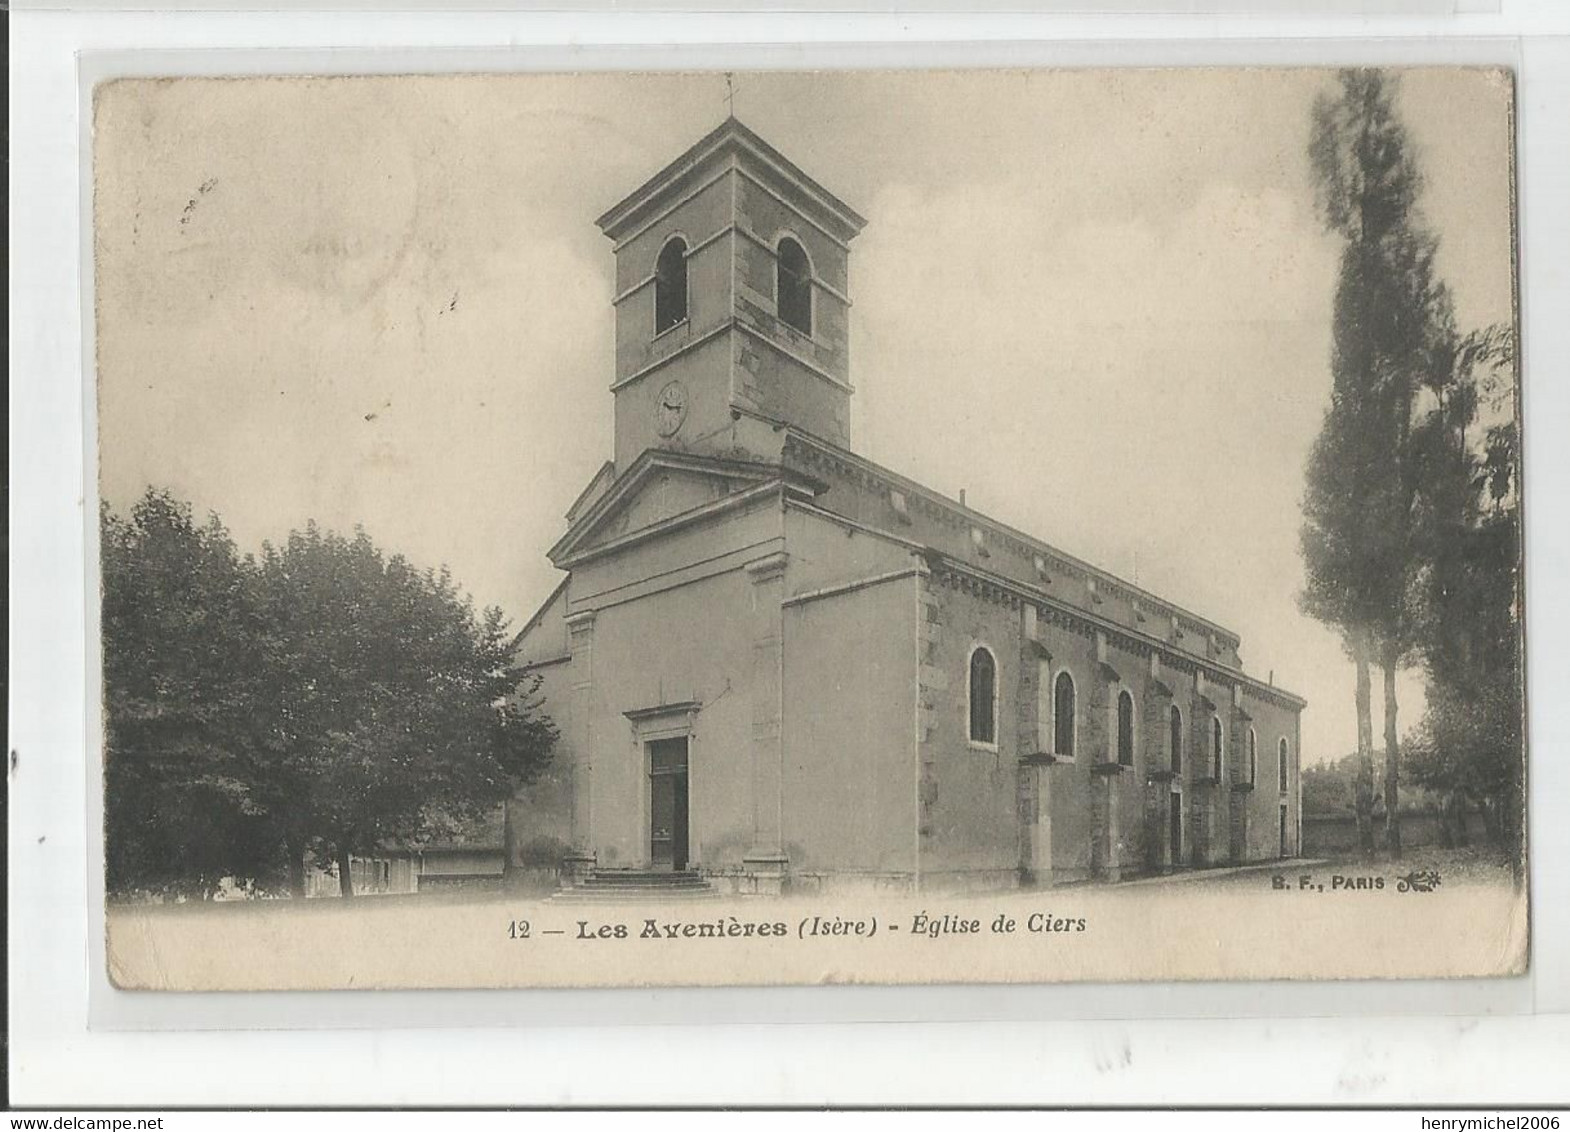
{"x": 783, "y": 667}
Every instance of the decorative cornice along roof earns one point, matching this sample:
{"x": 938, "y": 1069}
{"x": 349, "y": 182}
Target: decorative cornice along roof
{"x": 827, "y": 454}
{"x": 969, "y": 578}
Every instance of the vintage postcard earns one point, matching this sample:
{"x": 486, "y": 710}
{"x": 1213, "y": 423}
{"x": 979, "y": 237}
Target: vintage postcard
{"x": 757, "y": 528}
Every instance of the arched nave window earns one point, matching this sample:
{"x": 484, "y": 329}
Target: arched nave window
{"x": 1063, "y": 716}
{"x": 1125, "y": 729}
{"x": 983, "y": 696}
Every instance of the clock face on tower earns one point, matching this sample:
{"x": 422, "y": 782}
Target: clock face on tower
{"x": 670, "y": 408}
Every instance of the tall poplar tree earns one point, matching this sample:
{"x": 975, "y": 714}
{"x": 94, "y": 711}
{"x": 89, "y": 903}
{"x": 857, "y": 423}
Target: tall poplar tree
{"x": 1392, "y": 332}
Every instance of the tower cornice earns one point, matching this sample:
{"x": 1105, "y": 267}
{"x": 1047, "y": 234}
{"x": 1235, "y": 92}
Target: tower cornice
{"x": 731, "y": 140}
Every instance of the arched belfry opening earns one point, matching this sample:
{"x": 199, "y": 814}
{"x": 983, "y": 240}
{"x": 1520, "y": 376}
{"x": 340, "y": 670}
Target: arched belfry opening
{"x": 793, "y": 285}
{"x": 670, "y": 285}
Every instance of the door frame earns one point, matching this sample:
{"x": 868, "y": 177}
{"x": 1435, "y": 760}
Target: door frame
{"x": 1174, "y": 853}
{"x": 665, "y": 721}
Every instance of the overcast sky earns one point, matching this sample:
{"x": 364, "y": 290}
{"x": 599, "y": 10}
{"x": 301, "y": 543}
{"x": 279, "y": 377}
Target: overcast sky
{"x": 1098, "y": 301}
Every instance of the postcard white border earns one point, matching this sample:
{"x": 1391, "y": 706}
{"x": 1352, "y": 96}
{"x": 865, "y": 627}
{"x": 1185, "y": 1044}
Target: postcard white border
{"x": 565, "y": 1038}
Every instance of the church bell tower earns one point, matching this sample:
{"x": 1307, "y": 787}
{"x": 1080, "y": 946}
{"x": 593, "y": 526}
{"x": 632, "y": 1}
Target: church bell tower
{"x": 731, "y": 302}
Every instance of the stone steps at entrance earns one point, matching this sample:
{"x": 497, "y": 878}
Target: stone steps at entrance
{"x": 637, "y": 896}
{"x": 614, "y": 886}
{"x": 646, "y": 877}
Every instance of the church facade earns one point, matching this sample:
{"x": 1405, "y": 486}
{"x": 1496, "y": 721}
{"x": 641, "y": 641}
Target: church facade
{"x": 781, "y": 666}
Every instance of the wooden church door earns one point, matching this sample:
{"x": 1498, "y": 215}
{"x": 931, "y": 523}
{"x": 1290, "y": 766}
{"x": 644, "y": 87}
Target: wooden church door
{"x": 668, "y": 820}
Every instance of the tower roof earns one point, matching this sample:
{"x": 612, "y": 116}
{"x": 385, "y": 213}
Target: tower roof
{"x": 731, "y": 142}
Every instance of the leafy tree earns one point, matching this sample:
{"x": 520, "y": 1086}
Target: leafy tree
{"x": 1393, "y": 330}
{"x": 1470, "y": 743}
{"x": 179, "y": 641}
{"x": 316, "y": 703}
{"x": 392, "y": 711}
{"x": 1329, "y": 788}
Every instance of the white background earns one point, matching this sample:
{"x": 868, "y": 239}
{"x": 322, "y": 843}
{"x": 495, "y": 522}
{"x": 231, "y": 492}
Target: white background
{"x": 1338, "y": 1043}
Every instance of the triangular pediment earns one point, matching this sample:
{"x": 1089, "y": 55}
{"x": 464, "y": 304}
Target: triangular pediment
{"x": 661, "y": 488}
